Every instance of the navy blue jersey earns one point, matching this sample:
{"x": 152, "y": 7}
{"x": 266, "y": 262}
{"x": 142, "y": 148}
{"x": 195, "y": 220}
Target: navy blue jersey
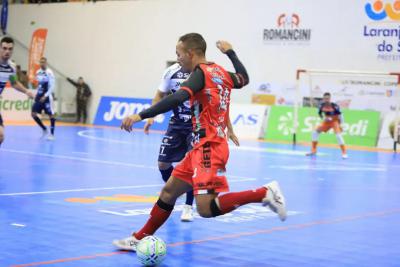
{"x": 329, "y": 109}
{"x": 7, "y": 71}
{"x": 46, "y": 83}
{"x": 171, "y": 82}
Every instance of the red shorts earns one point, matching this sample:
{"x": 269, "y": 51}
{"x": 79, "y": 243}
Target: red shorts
{"x": 204, "y": 168}
{"x": 327, "y": 125}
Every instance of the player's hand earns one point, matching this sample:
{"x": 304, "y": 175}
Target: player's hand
{"x": 42, "y": 99}
{"x": 231, "y": 135}
{"x": 224, "y": 46}
{"x": 148, "y": 124}
{"x": 30, "y": 94}
{"x": 128, "y": 122}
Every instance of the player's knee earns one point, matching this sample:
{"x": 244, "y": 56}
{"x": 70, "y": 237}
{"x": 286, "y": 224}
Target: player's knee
{"x": 164, "y": 165}
{"x": 168, "y": 194}
{"x": 203, "y": 209}
{"x": 34, "y": 115}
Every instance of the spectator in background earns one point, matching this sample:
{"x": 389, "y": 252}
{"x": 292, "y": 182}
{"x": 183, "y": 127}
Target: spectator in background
{"x": 82, "y": 96}
{"x": 22, "y": 76}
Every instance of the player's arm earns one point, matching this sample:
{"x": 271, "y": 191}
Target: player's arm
{"x": 20, "y": 87}
{"x": 240, "y": 78}
{"x": 159, "y": 95}
{"x": 320, "y": 111}
{"x": 339, "y": 113}
{"x": 230, "y": 133}
{"x": 194, "y": 84}
{"x": 52, "y": 85}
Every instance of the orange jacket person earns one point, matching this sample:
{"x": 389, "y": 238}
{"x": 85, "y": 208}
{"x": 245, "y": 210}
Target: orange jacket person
{"x": 333, "y": 118}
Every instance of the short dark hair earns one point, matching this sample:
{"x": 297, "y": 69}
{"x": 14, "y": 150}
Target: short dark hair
{"x": 7, "y": 39}
{"x": 327, "y": 94}
{"x": 194, "y": 41}
{"x": 43, "y": 58}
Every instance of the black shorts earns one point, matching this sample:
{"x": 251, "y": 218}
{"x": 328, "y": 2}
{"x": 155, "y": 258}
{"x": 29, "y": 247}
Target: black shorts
{"x": 1, "y": 121}
{"x": 38, "y": 107}
{"x": 175, "y": 144}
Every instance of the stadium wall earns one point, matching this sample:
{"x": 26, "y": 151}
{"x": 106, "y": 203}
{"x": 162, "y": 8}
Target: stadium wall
{"x": 121, "y": 47}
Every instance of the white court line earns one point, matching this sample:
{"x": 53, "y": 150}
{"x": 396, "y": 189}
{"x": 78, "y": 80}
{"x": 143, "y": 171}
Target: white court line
{"x": 242, "y": 178}
{"x": 240, "y": 148}
{"x": 18, "y": 225}
{"x": 80, "y": 159}
{"x": 83, "y": 134}
{"x": 101, "y": 189}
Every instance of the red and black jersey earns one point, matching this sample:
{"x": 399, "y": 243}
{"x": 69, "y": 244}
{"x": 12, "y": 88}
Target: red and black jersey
{"x": 210, "y": 104}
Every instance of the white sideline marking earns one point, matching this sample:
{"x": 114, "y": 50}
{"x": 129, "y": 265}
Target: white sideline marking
{"x": 18, "y": 225}
{"x": 102, "y": 188}
{"x": 80, "y": 159}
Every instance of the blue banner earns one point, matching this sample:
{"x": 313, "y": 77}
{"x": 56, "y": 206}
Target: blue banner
{"x": 4, "y": 16}
{"x": 112, "y": 110}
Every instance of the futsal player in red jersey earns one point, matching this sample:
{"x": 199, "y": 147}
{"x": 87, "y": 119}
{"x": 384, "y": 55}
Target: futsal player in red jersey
{"x": 203, "y": 168}
{"x": 332, "y": 119}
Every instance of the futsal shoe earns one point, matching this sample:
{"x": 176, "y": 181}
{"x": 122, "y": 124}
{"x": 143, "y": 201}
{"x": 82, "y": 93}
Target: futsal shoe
{"x": 129, "y": 243}
{"x": 44, "y": 133}
{"x": 187, "y": 213}
{"x": 275, "y": 200}
{"x": 50, "y": 137}
{"x": 345, "y": 156}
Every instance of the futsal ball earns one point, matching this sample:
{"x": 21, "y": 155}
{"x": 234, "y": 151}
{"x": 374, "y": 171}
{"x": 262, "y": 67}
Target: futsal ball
{"x": 151, "y": 250}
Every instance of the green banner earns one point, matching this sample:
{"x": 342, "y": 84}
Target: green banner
{"x": 359, "y": 128}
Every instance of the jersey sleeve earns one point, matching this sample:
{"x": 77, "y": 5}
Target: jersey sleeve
{"x": 241, "y": 77}
{"x": 195, "y": 83}
{"x": 164, "y": 86}
{"x": 320, "y": 110}
{"x": 336, "y": 108}
{"x": 52, "y": 83}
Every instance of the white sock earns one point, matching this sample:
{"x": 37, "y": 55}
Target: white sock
{"x": 315, "y": 136}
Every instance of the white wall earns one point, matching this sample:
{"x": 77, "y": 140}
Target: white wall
{"x": 121, "y": 47}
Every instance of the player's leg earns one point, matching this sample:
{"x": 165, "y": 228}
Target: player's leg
{"x": 159, "y": 214}
{"x": 209, "y": 180}
{"x": 339, "y": 137}
{"x": 315, "y": 136}
{"x": 36, "y": 109}
{"x": 187, "y": 212}
{"x": 50, "y": 112}
{"x": 212, "y": 205}
{"x": 1, "y": 130}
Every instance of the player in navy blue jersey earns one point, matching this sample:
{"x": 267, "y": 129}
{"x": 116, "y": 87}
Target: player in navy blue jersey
{"x": 8, "y": 74}
{"x": 178, "y": 138}
{"x": 44, "y": 98}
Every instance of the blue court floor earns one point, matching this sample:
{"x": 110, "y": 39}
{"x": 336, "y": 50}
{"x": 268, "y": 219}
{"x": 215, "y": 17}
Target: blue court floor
{"x": 63, "y": 202}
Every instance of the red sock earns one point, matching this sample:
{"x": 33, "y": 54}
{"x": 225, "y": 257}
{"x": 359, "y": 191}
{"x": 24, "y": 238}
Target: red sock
{"x": 158, "y": 215}
{"x": 231, "y": 201}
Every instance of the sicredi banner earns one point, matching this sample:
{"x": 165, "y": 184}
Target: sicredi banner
{"x": 112, "y": 110}
{"x": 247, "y": 119}
{"x": 387, "y": 131}
{"x": 15, "y": 106}
{"x": 359, "y": 128}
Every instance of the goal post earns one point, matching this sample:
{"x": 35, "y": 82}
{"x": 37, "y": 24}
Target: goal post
{"x": 355, "y": 90}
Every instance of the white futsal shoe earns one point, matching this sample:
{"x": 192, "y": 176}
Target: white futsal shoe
{"x": 345, "y": 156}
{"x": 44, "y": 133}
{"x": 50, "y": 137}
{"x": 187, "y": 213}
{"x": 275, "y": 200}
{"x": 129, "y": 243}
